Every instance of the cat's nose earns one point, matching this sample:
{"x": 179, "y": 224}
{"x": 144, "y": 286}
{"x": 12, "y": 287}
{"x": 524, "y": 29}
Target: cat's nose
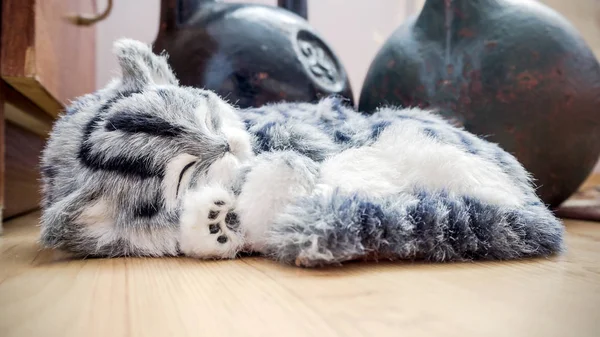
{"x": 216, "y": 147}
{"x": 238, "y": 143}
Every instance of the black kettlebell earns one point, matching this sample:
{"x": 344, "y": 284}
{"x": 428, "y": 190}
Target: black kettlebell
{"x": 250, "y": 54}
{"x": 515, "y": 72}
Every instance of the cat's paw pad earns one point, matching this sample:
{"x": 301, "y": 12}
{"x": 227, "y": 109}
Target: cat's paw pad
{"x": 209, "y": 226}
{"x": 222, "y": 221}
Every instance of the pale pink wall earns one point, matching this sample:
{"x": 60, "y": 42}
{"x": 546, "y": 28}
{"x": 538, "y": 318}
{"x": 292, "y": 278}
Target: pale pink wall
{"x": 137, "y": 19}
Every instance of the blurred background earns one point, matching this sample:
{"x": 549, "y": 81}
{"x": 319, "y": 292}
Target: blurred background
{"x": 360, "y": 29}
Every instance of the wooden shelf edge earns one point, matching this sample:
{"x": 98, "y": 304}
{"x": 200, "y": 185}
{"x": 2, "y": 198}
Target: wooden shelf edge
{"x": 29, "y": 119}
{"x": 31, "y": 88}
{"x": 26, "y": 120}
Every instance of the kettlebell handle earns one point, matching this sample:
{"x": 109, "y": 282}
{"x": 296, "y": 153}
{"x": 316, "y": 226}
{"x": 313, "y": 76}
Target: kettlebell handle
{"x": 175, "y": 12}
{"x": 299, "y": 7}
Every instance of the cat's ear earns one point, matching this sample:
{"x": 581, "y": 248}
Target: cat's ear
{"x": 140, "y": 67}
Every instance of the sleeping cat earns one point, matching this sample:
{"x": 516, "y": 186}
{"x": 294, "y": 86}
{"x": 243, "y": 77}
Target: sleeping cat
{"x": 145, "y": 167}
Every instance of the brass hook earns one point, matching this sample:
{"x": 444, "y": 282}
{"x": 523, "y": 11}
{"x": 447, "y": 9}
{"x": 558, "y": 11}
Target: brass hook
{"x": 86, "y": 20}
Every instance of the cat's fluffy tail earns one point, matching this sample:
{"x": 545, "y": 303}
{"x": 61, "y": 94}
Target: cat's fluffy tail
{"x": 334, "y": 227}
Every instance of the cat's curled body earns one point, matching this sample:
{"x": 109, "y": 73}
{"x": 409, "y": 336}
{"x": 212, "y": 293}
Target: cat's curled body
{"x": 147, "y": 167}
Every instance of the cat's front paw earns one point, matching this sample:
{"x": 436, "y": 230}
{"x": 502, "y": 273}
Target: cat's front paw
{"x": 209, "y": 225}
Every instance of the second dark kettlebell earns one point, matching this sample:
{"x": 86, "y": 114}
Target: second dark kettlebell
{"x": 250, "y": 54}
{"x": 515, "y": 72}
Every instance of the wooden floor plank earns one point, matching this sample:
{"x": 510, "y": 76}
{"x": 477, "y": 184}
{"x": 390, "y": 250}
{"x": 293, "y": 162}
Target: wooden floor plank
{"x": 44, "y": 294}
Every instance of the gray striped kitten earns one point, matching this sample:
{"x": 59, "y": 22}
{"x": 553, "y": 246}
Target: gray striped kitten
{"x": 145, "y": 167}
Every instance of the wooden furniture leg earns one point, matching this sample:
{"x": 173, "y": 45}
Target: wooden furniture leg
{"x": 2, "y": 84}
{"x": 25, "y": 129}
{"x": 45, "y": 62}
{"x": 1, "y": 153}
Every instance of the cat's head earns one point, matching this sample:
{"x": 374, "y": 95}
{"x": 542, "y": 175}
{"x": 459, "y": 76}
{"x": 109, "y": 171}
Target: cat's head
{"x": 132, "y": 149}
{"x": 191, "y": 129}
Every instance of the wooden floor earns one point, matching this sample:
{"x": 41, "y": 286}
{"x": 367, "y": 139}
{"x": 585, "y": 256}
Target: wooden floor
{"x": 43, "y": 294}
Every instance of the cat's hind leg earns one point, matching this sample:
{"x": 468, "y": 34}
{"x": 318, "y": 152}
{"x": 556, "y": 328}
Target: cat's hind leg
{"x": 332, "y": 227}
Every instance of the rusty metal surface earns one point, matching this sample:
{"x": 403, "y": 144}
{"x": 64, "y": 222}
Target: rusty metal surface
{"x": 514, "y": 72}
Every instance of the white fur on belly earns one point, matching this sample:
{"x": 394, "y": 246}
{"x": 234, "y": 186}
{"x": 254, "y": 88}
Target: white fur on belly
{"x": 403, "y": 158}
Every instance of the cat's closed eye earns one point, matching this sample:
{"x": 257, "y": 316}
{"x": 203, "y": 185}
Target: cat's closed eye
{"x": 185, "y": 168}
